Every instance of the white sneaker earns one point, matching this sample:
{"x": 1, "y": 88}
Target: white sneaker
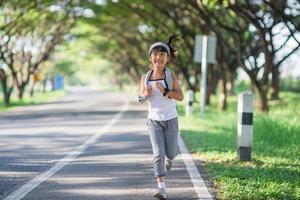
{"x": 160, "y": 194}
{"x": 169, "y": 164}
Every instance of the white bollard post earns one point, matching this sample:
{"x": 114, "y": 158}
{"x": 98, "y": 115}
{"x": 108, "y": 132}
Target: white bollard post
{"x": 189, "y": 103}
{"x": 203, "y": 76}
{"x": 244, "y": 126}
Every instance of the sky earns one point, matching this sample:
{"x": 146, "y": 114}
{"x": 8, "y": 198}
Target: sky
{"x": 291, "y": 66}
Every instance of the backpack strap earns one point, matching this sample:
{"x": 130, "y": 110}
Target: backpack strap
{"x": 147, "y": 77}
{"x": 168, "y": 79}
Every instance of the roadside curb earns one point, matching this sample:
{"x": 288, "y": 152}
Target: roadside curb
{"x": 196, "y": 178}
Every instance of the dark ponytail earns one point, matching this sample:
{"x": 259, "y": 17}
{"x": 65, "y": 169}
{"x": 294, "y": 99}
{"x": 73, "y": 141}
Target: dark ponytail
{"x": 174, "y": 42}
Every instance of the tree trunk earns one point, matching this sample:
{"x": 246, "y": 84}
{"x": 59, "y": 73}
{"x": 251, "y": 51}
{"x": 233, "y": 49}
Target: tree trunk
{"x": 31, "y": 90}
{"x": 6, "y": 97}
{"x": 207, "y": 97}
{"x": 208, "y": 87}
{"x": 31, "y": 85}
{"x": 185, "y": 72}
{"x": 214, "y": 78}
{"x": 186, "y": 77}
{"x": 44, "y": 85}
{"x": 21, "y": 91}
{"x": 52, "y": 83}
{"x": 223, "y": 93}
{"x": 230, "y": 84}
{"x": 6, "y": 92}
{"x": 275, "y": 83}
{"x": 197, "y": 76}
{"x": 263, "y": 100}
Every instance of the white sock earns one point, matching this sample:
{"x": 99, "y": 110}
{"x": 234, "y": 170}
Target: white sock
{"x": 161, "y": 184}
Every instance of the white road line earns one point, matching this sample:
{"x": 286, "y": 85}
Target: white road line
{"x": 35, "y": 182}
{"x": 195, "y": 176}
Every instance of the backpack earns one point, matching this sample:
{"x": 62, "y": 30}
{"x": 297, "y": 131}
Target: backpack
{"x": 168, "y": 82}
{"x": 168, "y": 78}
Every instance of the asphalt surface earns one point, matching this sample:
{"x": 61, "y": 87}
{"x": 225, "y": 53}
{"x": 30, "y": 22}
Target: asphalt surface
{"x": 118, "y": 165}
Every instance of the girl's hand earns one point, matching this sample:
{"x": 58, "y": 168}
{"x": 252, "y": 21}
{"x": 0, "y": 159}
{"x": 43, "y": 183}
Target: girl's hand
{"x": 160, "y": 87}
{"x": 148, "y": 90}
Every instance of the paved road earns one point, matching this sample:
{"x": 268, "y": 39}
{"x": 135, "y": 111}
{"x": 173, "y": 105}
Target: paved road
{"x": 82, "y": 147}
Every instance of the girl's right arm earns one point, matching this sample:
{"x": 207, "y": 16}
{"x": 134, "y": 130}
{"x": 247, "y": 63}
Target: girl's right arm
{"x": 142, "y": 86}
{"x": 145, "y": 91}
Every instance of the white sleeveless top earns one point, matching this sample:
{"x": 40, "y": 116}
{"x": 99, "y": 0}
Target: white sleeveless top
{"x": 160, "y": 108}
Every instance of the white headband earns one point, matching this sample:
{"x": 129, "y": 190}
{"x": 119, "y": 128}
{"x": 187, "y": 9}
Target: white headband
{"x": 162, "y": 45}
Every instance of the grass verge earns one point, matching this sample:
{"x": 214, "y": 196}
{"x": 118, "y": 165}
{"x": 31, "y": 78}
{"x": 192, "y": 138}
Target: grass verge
{"x": 273, "y": 173}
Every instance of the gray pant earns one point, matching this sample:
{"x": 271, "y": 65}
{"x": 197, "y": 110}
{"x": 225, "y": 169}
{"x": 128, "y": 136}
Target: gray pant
{"x": 164, "y": 140}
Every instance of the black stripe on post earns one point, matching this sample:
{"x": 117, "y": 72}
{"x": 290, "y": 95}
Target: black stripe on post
{"x": 190, "y": 103}
{"x": 246, "y": 118}
{"x": 244, "y": 153}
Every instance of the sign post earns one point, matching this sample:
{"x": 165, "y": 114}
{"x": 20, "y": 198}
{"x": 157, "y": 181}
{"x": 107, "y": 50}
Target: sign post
{"x": 205, "y": 53}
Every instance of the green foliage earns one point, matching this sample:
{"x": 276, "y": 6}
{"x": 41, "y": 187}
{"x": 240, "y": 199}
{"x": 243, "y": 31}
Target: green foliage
{"x": 290, "y": 84}
{"x": 241, "y": 86}
{"x": 78, "y": 58}
{"x": 274, "y": 170}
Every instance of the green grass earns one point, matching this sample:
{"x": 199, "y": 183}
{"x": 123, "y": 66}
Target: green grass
{"x": 38, "y": 98}
{"x": 273, "y": 173}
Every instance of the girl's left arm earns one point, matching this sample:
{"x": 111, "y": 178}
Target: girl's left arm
{"x": 176, "y": 93}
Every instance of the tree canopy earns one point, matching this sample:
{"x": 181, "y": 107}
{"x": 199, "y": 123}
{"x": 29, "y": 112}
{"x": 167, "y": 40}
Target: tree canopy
{"x": 254, "y": 36}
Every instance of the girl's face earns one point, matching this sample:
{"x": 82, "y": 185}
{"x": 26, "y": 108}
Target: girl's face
{"x": 159, "y": 59}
